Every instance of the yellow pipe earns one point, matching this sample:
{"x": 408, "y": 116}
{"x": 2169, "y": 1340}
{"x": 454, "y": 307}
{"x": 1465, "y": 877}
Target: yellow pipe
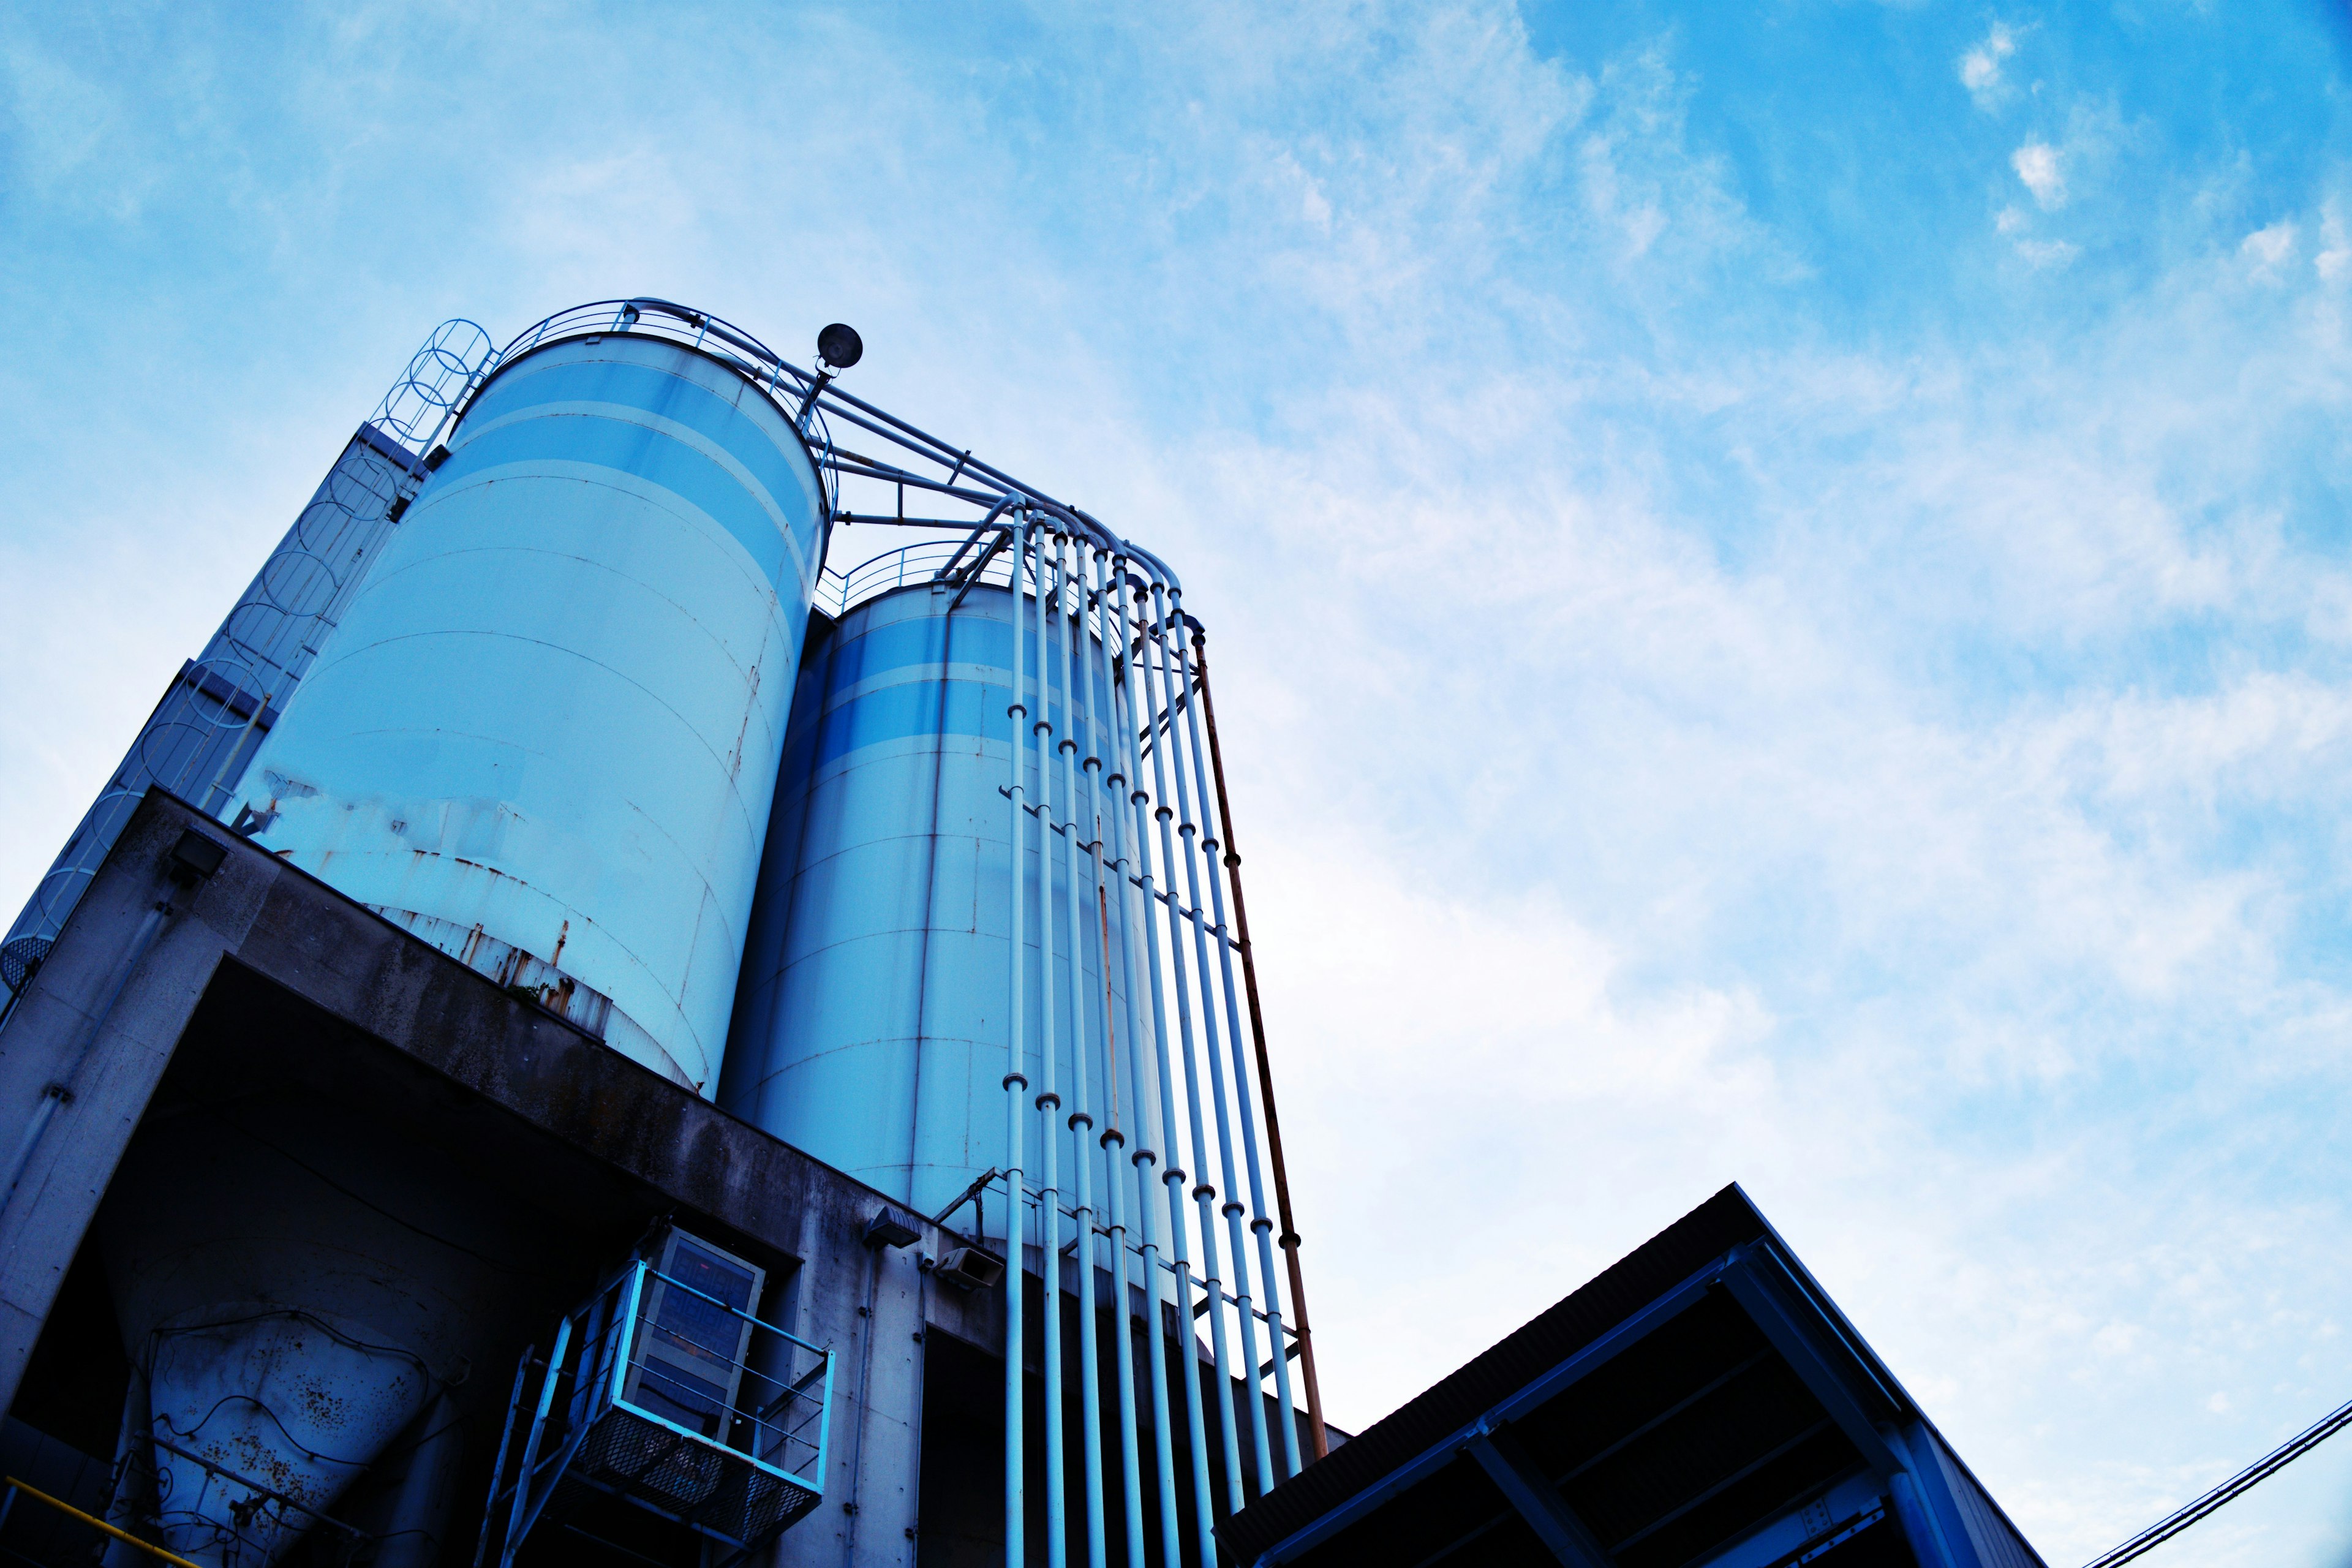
{"x": 125, "y": 1537}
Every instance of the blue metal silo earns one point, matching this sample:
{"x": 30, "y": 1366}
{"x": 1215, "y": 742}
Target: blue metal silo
{"x": 545, "y": 738}
{"x": 870, "y": 1029}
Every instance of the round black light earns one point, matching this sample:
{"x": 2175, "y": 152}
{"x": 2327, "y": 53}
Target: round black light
{"x": 839, "y": 346}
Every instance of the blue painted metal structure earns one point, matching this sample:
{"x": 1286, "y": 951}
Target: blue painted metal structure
{"x": 869, "y": 1031}
{"x": 583, "y": 1436}
{"x": 283, "y": 1330}
{"x": 870, "y": 1028}
{"x": 545, "y": 739}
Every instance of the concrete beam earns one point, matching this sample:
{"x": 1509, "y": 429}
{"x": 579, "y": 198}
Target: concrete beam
{"x": 104, "y": 1047}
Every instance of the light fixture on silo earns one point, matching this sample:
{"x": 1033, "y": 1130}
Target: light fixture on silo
{"x": 837, "y": 348}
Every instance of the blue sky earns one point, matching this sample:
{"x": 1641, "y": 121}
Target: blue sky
{"x": 1781, "y": 575}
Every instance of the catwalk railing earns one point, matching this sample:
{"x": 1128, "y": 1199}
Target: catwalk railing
{"x": 658, "y": 1397}
{"x": 88, "y": 1536}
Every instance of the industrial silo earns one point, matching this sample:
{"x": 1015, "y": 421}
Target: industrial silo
{"x": 870, "y": 1030}
{"x": 545, "y": 737}
{"x": 934, "y": 886}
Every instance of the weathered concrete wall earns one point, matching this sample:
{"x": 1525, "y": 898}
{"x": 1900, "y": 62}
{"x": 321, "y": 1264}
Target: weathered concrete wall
{"x": 482, "y": 1048}
{"x": 106, "y": 1058}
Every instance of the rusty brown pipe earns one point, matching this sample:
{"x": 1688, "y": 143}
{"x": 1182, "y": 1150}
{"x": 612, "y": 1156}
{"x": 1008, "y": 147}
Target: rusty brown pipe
{"x": 1289, "y": 1238}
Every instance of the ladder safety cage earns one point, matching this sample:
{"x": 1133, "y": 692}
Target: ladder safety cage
{"x": 664, "y": 1394}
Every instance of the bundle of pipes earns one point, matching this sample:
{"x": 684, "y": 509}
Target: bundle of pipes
{"x": 1086, "y": 601}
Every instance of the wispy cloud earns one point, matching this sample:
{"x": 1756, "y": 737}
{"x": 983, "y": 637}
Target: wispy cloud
{"x": 2036, "y": 164}
{"x": 2268, "y": 250}
{"x": 2334, "y": 260}
{"x": 1981, "y": 67}
{"x": 2051, "y": 253}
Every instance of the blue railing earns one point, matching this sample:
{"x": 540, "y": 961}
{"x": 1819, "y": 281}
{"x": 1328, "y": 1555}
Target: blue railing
{"x": 838, "y": 593}
{"x": 660, "y": 1396}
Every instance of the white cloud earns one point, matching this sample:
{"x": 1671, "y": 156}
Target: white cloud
{"x": 2036, "y": 164}
{"x": 2012, "y": 220}
{"x": 2266, "y": 249}
{"x": 2042, "y": 254}
{"x": 2335, "y": 257}
{"x": 1981, "y": 67}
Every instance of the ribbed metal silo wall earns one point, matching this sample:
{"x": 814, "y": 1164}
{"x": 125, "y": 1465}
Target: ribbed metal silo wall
{"x": 545, "y": 737}
{"x": 870, "y": 1029}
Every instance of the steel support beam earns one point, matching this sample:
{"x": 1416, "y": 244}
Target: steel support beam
{"x": 1436, "y": 1456}
{"x": 1537, "y": 1500}
{"x": 1762, "y": 1304}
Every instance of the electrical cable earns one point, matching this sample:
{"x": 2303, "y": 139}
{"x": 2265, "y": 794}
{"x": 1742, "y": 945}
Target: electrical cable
{"x": 2269, "y": 1464}
{"x": 321, "y": 1325}
{"x": 190, "y": 1434}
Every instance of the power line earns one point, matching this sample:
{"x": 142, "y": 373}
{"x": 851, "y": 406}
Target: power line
{"x": 2269, "y": 1464}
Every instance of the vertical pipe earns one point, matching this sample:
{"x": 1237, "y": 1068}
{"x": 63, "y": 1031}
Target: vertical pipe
{"x": 1317, "y": 1433}
{"x": 1016, "y": 1084}
{"x": 1261, "y": 1226}
{"x": 1081, "y": 1119}
{"x": 1049, "y": 1196}
{"x": 1170, "y": 1538}
{"x": 1104, "y": 799}
{"x": 1204, "y": 1192}
{"x": 1179, "y": 696}
{"x": 253, "y": 722}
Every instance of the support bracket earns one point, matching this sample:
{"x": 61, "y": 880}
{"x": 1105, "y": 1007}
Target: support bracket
{"x": 1536, "y": 1498}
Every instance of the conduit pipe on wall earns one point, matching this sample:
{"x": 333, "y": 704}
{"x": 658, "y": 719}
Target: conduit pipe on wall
{"x": 1173, "y": 1181}
{"x": 1016, "y": 1085}
{"x": 1262, "y": 1228}
{"x": 1177, "y": 1176}
{"x": 1173, "y": 669}
{"x": 1204, "y": 1192}
{"x": 61, "y": 1089}
{"x": 1049, "y": 1209}
{"x": 1133, "y": 689}
{"x": 1104, "y": 799}
{"x": 1081, "y": 1119}
{"x": 1317, "y": 1433}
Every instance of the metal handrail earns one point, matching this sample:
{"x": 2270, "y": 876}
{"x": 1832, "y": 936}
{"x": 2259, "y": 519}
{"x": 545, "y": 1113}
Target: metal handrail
{"x": 785, "y": 384}
{"x": 811, "y": 403}
{"x": 13, "y": 1486}
{"x": 626, "y": 1329}
{"x": 838, "y": 593}
{"x": 597, "y": 1346}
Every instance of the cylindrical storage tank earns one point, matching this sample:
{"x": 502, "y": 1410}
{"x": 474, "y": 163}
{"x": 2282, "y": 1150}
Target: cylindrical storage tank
{"x": 870, "y": 1026}
{"x": 545, "y": 736}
